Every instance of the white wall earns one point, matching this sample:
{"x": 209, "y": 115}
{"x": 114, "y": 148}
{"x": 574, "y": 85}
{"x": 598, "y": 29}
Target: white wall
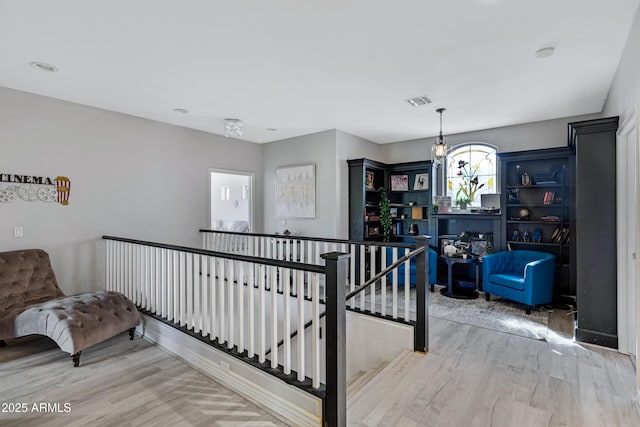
{"x": 319, "y": 149}
{"x": 625, "y": 88}
{"x": 130, "y": 177}
{"x": 623, "y": 100}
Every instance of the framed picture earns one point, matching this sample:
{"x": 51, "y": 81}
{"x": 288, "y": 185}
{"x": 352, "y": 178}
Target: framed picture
{"x": 393, "y": 212}
{"x": 445, "y": 242}
{"x": 421, "y": 182}
{"x": 399, "y": 182}
{"x": 369, "y": 180}
{"x": 296, "y": 191}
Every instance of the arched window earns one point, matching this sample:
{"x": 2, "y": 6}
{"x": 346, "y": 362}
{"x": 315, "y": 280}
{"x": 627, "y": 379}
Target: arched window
{"x": 471, "y": 171}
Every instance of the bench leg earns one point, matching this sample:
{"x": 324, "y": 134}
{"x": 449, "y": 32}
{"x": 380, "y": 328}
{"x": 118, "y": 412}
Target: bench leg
{"x": 487, "y": 296}
{"x": 528, "y": 309}
{"x": 131, "y": 331}
{"x": 2, "y": 343}
{"x": 76, "y": 359}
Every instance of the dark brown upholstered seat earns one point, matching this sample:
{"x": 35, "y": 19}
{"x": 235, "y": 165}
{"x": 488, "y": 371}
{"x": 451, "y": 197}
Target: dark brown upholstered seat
{"x": 32, "y": 303}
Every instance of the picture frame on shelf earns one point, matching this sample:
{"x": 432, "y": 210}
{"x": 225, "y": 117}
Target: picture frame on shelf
{"x": 373, "y": 230}
{"x": 421, "y": 181}
{"x": 444, "y": 204}
{"x": 369, "y": 180}
{"x": 393, "y": 212}
{"x": 399, "y": 182}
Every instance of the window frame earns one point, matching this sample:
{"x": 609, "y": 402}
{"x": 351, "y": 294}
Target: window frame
{"x": 458, "y": 151}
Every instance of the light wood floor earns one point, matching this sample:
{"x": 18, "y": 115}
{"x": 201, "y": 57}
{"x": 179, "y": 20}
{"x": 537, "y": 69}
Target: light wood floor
{"x": 479, "y": 377}
{"x": 119, "y": 383}
{"x": 471, "y": 377}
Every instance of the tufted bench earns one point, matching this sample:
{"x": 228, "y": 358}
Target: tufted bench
{"x": 32, "y": 303}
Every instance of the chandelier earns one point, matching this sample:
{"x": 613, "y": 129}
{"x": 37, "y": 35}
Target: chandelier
{"x": 440, "y": 146}
{"x": 233, "y": 128}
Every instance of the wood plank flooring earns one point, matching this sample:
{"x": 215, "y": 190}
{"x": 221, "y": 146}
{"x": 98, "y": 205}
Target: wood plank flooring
{"x": 479, "y": 377}
{"x": 472, "y": 376}
{"x": 119, "y": 383}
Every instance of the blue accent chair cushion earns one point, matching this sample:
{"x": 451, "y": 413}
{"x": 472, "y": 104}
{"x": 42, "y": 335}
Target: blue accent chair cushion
{"x": 433, "y": 258}
{"x": 522, "y": 276}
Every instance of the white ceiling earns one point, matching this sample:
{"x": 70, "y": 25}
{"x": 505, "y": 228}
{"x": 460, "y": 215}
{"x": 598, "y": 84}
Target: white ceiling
{"x": 305, "y": 66}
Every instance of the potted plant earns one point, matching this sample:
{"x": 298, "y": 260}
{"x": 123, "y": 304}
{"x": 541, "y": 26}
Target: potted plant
{"x": 386, "y": 220}
{"x": 462, "y": 203}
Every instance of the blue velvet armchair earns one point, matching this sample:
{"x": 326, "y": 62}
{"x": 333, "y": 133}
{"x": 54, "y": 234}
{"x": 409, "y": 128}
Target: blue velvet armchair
{"x": 433, "y": 258}
{"x": 523, "y": 276}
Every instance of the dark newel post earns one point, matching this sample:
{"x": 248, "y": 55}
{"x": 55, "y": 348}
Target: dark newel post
{"x": 335, "y": 405}
{"x": 421, "y": 336}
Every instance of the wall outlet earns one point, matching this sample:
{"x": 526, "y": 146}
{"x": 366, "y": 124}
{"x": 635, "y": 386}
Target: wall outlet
{"x": 283, "y": 222}
{"x": 18, "y": 232}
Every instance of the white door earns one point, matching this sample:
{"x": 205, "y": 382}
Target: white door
{"x": 231, "y": 200}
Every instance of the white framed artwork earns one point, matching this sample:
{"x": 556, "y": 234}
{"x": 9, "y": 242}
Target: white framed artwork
{"x": 296, "y": 191}
{"x": 421, "y": 182}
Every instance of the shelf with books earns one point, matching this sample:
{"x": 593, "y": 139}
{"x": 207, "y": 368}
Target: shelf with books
{"x": 537, "y": 207}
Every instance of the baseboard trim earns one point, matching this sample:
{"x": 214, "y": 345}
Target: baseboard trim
{"x": 596, "y": 337}
{"x": 284, "y": 401}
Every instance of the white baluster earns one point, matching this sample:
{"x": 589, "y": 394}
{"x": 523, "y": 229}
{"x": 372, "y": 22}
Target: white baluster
{"x": 363, "y": 272}
{"x": 189, "y": 291}
{"x": 274, "y": 317}
{"x": 407, "y": 287}
{"x": 164, "y": 286}
{"x": 300, "y": 336}
{"x": 286, "y": 295}
{"x": 175, "y": 286}
{"x": 383, "y": 282}
{"x": 215, "y": 322}
{"x": 222, "y": 301}
{"x": 352, "y": 274}
{"x": 374, "y": 271}
{"x": 197, "y": 294}
{"x": 261, "y": 313}
{"x": 231, "y": 304}
{"x": 251, "y": 280}
{"x": 240, "y": 298}
{"x": 394, "y": 284}
{"x": 206, "y": 299}
{"x": 315, "y": 331}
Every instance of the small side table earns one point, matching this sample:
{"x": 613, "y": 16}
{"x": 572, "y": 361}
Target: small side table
{"x": 459, "y": 293}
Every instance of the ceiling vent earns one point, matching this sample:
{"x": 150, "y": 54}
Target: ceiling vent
{"x": 419, "y": 100}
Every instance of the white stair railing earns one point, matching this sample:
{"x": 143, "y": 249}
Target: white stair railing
{"x": 242, "y": 303}
{"x": 367, "y": 259}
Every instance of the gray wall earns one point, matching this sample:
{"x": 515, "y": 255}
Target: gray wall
{"x": 625, "y": 89}
{"x": 130, "y": 177}
{"x": 545, "y": 134}
{"x": 349, "y": 147}
{"x": 319, "y": 149}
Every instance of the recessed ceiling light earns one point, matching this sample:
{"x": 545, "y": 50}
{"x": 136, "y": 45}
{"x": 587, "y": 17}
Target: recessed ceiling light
{"x": 272, "y": 129}
{"x": 419, "y": 100}
{"x": 180, "y": 110}
{"x": 43, "y": 66}
{"x": 545, "y": 52}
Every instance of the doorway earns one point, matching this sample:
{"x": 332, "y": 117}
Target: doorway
{"x": 231, "y": 200}
{"x": 627, "y": 181}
